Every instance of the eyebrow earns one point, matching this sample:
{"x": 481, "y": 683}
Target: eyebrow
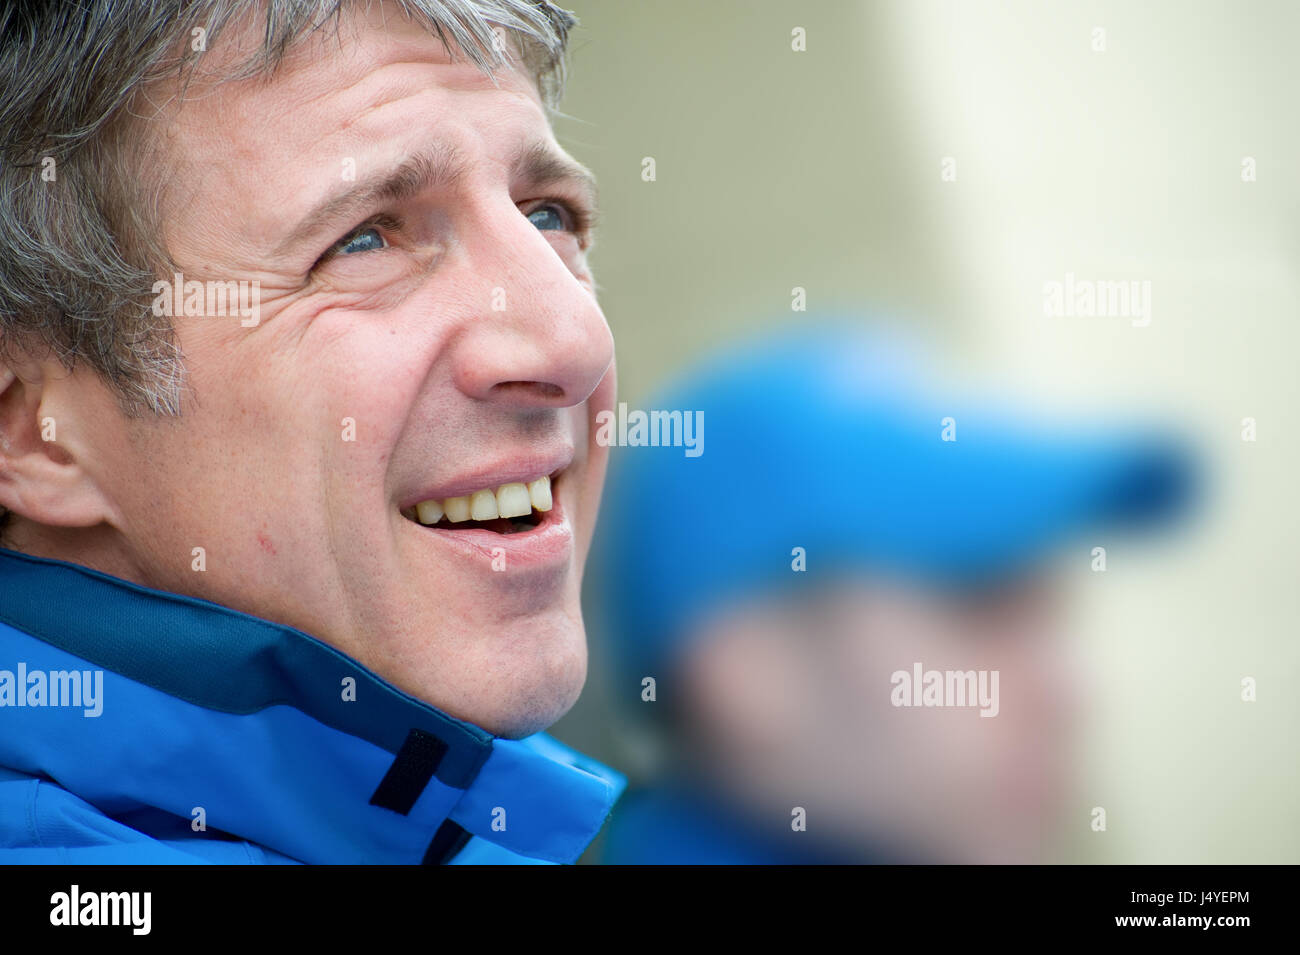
{"x": 444, "y": 166}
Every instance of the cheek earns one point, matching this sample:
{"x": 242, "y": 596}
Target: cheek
{"x": 246, "y": 471}
{"x": 321, "y": 414}
{"x": 193, "y": 496}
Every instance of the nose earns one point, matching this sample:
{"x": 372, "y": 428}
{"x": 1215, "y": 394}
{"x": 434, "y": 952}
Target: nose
{"x": 534, "y": 335}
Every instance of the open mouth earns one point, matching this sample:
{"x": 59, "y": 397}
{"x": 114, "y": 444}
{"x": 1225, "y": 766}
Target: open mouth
{"x": 507, "y": 509}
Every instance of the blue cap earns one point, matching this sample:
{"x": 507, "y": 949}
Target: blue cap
{"x": 825, "y": 438}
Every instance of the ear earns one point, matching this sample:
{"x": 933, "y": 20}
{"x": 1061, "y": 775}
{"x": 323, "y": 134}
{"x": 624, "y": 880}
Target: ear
{"x": 41, "y": 479}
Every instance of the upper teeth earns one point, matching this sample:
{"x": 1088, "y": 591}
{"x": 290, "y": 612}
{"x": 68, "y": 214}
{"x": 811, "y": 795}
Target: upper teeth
{"x": 508, "y": 500}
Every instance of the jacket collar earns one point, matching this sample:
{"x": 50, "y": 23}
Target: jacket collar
{"x": 277, "y": 737}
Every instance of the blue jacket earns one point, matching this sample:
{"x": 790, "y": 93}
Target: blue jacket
{"x": 138, "y": 726}
{"x": 681, "y": 820}
{"x": 676, "y": 822}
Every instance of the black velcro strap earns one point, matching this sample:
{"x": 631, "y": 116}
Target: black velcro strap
{"x": 447, "y": 841}
{"x": 411, "y": 771}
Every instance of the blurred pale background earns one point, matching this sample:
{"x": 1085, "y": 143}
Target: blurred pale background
{"x": 822, "y": 169}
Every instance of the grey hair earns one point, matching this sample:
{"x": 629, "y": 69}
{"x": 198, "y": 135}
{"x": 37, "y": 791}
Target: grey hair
{"x": 78, "y": 225}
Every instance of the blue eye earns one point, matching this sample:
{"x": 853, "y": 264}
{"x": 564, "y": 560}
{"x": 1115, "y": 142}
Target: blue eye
{"x": 366, "y": 240}
{"x": 547, "y": 217}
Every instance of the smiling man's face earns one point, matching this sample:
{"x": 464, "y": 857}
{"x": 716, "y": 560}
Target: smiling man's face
{"x": 427, "y": 328}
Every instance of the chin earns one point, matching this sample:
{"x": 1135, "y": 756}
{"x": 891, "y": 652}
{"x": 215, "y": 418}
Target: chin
{"x": 538, "y": 704}
{"x": 531, "y": 682}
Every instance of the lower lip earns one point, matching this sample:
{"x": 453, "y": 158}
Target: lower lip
{"x": 548, "y": 544}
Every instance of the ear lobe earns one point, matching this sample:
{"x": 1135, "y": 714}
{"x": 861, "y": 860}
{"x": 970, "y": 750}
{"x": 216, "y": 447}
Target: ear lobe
{"x": 40, "y": 479}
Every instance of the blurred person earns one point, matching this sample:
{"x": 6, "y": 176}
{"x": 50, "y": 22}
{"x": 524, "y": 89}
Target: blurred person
{"x": 843, "y": 622}
{"x": 300, "y": 352}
